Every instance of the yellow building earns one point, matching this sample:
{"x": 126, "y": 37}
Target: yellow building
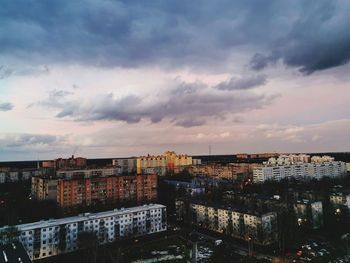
{"x": 168, "y": 162}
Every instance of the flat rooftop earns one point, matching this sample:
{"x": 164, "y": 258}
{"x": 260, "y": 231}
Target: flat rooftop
{"x": 86, "y": 216}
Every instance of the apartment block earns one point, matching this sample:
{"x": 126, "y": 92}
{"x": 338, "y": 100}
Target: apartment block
{"x": 69, "y": 163}
{"x": 44, "y": 239}
{"x": 126, "y": 165}
{"x": 286, "y": 167}
{"x": 232, "y": 171}
{"x": 340, "y": 199}
{"x": 87, "y": 173}
{"x": 88, "y": 191}
{"x": 260, "y": 227}
{"x": 169, "y": 162}
{"x": 309, "y": 213}
{"x": 44, "y": 188}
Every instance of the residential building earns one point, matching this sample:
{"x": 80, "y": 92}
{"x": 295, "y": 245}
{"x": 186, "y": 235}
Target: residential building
{"x": 87, "y": 191}
{"x": 44, "y": 188}
{"x": 87, "y": 173}
{"x": 126, "y": 165}
{"x": 190, "y": 188}
{"x": 169, "y": 162}
{"x": 239, "y": 223}
{"x": 287, "y": 167}
{"x": 340, "y": 199}
{"x": 232, "y": 171}
{"x": 69, "y": 163}
{"x": 255, "y": 155}
{"x": 44, "y": 239}
{"x": 309, "y": 213}
{"x": 16, "y": 175}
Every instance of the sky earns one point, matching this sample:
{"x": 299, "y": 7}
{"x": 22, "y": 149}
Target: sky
{"x": 115, "y": 78}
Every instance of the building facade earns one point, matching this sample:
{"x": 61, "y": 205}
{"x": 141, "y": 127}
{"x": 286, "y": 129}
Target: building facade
{"x": 169, "y": 162}
{"x": 260, "y": 227}
{"x": 44, "y": 188}
{"x": 309, "y": 213}
{"x": 286, "y": 167}
{"x": 340, "y": 200}
{"x": 52, "y": 237}
{"x": 88, "y": 191}
{"x": 126, "y": 165}
{"x": 69, "y": 163}
{"x": 87, "y": 173}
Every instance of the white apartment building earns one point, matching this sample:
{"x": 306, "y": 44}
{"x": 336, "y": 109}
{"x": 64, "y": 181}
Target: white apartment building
{"x": 292, "y": 166}
{"x": 261, "y": 227}
{"x": 52, "y": 237}
{"x": 18, "y": 175}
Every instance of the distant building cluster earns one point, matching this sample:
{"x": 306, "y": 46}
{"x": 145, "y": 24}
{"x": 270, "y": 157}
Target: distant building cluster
{"x": 261, "y": 228}
{"x": 255, "y": 155}
{"x": 69, "y": 163}
{"x": 11, "y": 176}
{"x": 232, "y": 171}
{"x": 52, "y": 237}
{"x": 298, "y": 167}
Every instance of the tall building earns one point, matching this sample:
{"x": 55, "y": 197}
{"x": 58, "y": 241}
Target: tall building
{"x": 161, "y": 164}
{"x": 88, "y": 191}
{"x": 260, "y": 227}
{"x": 52, "y": 237}
{"x": 297, "y": 167}
{"x": 44, "y": 188}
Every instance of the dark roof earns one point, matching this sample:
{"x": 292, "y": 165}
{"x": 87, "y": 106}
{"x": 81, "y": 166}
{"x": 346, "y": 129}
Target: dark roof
{"x": 13, "y": 252}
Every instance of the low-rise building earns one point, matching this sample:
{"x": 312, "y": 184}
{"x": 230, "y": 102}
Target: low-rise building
{"x": 44, "y": 239}
{"x": 309, "y": 213}
{"x": 260, "y": 227}
{"x": 340, "y": 199}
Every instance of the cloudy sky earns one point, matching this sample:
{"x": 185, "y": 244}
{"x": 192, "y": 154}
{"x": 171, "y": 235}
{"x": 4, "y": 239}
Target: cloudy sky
{"x": 113, "y": 78}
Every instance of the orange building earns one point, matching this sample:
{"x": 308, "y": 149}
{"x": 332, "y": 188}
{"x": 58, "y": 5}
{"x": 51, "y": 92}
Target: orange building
{"x": 87, "y": 191}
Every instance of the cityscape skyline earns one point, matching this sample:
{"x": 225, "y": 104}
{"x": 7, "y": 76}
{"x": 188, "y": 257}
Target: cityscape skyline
{"x": 123, "y": 78}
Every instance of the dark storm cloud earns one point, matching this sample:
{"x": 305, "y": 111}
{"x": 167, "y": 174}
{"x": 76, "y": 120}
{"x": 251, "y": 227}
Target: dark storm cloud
{"x": 6, "y": 106}
{"x": 319, "y": 39}
{"x": 311, "y": 35}
{"x": 242, "y": 83}
{"x": 186, "y": 105}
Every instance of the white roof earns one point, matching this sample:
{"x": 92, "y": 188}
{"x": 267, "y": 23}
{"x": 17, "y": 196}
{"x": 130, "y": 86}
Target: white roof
{"x": 86, "y": 216}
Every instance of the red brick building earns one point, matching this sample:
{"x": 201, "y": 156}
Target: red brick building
{"x": 87, "y": 191}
